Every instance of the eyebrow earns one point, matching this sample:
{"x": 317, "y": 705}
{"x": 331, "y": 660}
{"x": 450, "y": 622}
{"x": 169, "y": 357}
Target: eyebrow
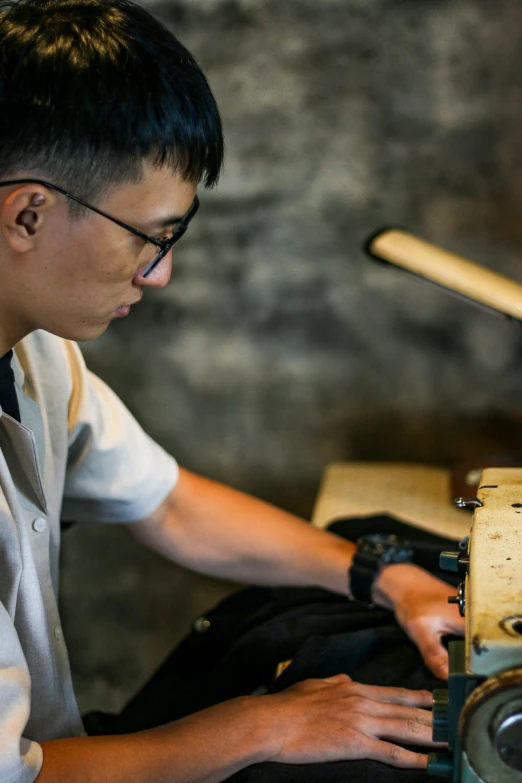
{"x": 172, "y": 220}
{"x": 166, "y": 222}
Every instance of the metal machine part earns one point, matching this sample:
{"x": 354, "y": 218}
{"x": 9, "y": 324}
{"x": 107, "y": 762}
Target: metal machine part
{"x": 494, "y": 580}
{"x": 491, "y": 729}
{"x": 467, "y": 502}
{"x": 485, "y": 681}
{"x": 454, "y": 561}
{"x": 440, "y": 715}
{"x": 508, "y": 739}
{"x": 447, "y": 705}
{"x": 459, "y": 599}
{"x": 481, "y": 715}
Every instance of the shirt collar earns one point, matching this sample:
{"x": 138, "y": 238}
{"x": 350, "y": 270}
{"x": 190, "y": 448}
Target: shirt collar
{"x": 17, "y": 369}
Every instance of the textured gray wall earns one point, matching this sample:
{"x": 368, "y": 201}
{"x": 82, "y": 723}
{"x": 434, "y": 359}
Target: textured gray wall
{"x": 278, "y": 347}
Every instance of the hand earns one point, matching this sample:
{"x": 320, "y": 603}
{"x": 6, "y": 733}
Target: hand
{"x": 420, "y": 603}
{"x": 337, "y": 719}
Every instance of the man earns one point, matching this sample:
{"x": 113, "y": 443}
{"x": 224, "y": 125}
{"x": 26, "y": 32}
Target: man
{"x": 107, "y": 126}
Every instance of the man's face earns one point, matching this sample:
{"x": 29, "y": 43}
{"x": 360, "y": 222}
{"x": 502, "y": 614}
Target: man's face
{"x": 81, "y": 272}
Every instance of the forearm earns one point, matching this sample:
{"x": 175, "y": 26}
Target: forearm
{"x": 332, "y": 719}
{"x": 217, "y": 530}
{"x": 204, "y": 748}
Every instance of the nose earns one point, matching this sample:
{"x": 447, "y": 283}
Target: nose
{"x": 160, "y": 275}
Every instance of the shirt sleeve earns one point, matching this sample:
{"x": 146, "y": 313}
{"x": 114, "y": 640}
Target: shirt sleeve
{"x": 20, "y": 758}
{"x": 115, "y": 472}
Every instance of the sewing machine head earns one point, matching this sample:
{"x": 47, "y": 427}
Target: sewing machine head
{"x": 480, "y": 715}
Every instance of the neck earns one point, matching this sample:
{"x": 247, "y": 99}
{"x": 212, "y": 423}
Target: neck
{"x": 11, "y": 323}
{"x": 11, "y": 331}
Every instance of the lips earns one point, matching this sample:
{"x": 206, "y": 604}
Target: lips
{"x": 129, "y": 305}
{"x": 123, "y": 310}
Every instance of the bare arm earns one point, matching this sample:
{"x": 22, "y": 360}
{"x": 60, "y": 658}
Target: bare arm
{"x": 204, "y": 748}
{"x": 318, "y": 720}
{"x": 217, "y": 530}
{"x": 214, "y": 529}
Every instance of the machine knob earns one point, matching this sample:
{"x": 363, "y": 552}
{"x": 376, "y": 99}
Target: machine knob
{"x": 440, "y": 764}
{"x": 459, "y": 599}
{"x": 440, "y": 715}
{"x": 454, "y": 561}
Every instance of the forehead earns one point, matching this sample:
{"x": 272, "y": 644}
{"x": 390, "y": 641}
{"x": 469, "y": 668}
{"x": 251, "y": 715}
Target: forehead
{"x": 160, "y": 193}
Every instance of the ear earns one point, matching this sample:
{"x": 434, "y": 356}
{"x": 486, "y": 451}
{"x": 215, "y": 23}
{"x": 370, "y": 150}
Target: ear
{"x": 23, "y": 215}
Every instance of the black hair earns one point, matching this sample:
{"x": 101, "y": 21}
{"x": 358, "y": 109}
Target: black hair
{"x": 90, "y": 89}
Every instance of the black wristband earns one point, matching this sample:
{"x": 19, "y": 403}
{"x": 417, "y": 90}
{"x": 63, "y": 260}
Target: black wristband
{"x": 362, "y": 575}
{"x": 373, "y": 553}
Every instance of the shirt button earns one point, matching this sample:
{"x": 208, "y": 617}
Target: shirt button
{"x": 58, "y": 633}
{"x": 39, "y": 524}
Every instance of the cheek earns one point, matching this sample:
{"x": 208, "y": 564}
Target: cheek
{"x": 104, "y": 259}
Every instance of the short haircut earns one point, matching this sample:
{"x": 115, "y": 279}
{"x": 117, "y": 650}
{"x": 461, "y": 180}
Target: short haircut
{"x": 90, "y": 89}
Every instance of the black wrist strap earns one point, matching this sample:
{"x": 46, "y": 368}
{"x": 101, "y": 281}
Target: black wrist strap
{"x": 362, "y": 575}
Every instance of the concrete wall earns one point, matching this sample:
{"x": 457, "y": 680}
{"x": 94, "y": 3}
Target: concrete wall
{"x": 278, "y": 346}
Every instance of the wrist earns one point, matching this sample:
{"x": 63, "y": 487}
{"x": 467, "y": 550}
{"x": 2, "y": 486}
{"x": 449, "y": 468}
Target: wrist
{"x": 274, "y": 725}
{"x": 260, "y": 719}
{"x": 239, "y": 731}
{"x": 394, "y": 582}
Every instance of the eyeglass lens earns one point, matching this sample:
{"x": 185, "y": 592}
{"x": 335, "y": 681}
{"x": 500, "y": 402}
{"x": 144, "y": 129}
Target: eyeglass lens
{"x": 180, "y": 231}
{"x": 163, "y": 252}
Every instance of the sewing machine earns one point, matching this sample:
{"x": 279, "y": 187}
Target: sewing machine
{"x": 479, "y": 714}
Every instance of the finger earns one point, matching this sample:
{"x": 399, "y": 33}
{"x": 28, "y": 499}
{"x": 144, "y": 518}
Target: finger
{"x": 397, "y": 730}
{"x": 391, "y": 754}
{"x": 392, "y": 695}
{"x": 456, "y": 626}
{"x": 400, "y": 711}
{"x": 434, "y": 654}
{"x": 337, "y": 679}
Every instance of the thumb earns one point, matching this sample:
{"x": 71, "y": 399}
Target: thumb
{"x": 433, "y": 652}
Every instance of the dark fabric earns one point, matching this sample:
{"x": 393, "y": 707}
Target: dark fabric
{"x": 237, "y": 651}
{"x": 8, "y": 398}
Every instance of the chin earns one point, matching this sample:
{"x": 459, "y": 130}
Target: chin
{"x": 81, "y": 333}
{"x": 93, "y": 332}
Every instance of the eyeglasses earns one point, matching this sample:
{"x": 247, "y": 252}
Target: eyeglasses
{"x": 165, "y": 245}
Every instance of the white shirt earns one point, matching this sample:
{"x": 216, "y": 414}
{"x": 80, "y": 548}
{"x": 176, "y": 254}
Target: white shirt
{"x": 78, "y": 455}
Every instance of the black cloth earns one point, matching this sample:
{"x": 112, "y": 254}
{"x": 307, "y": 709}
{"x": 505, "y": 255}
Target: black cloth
{"x": 237, "y": 651}
{"x": 8, "y": 398}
